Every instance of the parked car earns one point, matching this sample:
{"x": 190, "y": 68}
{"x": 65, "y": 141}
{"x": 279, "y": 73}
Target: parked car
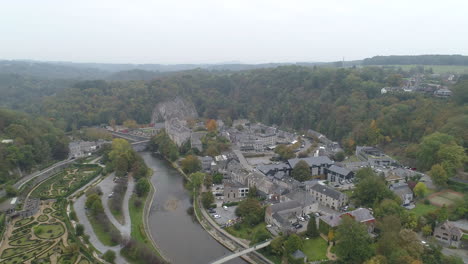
{"x": 225, "y": 207}
{"x": 212, "y": 211}
{"x": 298, "y": 226}
{"x": 216, "y": 216}
{"x": 301, "y": 219}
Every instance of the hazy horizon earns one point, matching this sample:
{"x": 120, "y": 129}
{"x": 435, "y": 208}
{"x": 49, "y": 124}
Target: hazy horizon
{"x": 216, "y": 32}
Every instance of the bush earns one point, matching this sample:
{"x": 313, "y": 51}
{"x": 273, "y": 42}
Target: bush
{"x": 109, "y": 256}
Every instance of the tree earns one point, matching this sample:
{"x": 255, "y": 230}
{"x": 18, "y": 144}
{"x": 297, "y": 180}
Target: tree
{"x": 251, "y": 210}
{"x": 253, "y": 192}
{"x": 301, "y": 171}
{"x": 191, "y": 164}
{"x": 428, "y": 153}
{"x": 293, "y": 243}
{"x": 442, "y": 214}
{"x": 11, "y": 191}
{"x": 208, "y": 180}
{"x": 211, "y": 125}
{"x": 142, "y": 187}
{"x": 197, "y": 179}
{"x": 79, "y": 229}
{"x": 312, "y": 228}
{"x": 130, "y": 123}
{"x": 460, "y": 92}
{"x": 207, "y": 199}
{"x": 109, "y": 256}
{"x": 354, "y": 244}
{"x": 420, "y": 190}
{"x": 426, "y": 230}
{"x": 284, "y": 152}
{"x": 218, "y": 178}
{"x": 370, "y": 188}
{"x": 276, "y": 246}
{"x": 340, "y": 156}
{"x": 438, "y": 175}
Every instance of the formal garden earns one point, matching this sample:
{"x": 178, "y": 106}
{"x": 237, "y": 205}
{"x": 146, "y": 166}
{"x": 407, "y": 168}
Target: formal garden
{"x": 66, "y": 182}
{"x": 42, "y": 238}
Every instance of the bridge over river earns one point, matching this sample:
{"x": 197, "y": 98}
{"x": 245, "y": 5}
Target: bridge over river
{"x": 242, "y": 252}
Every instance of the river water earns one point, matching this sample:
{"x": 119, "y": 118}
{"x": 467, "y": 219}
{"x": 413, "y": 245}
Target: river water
{"x": 180, "y": 238}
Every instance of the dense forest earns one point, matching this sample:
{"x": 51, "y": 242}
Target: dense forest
{"x": 344, "y": 104}
{"x": 27, "y": 142}
{"x": 417, "y": 60}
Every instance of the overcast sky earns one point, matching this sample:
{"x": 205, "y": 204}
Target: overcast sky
{"x": 214, "y": 31}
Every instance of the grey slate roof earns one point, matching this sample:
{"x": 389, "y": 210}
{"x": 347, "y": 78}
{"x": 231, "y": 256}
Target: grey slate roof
{"x": 339, "y": 170}
{"x": 362, "y": 215}
{"x": 312, "y": 161}
{"x": 325, "y": 190}
{"x": 284, "y": 206}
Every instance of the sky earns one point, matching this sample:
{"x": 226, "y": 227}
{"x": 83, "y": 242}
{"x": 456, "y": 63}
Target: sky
{"x": 218, "y": 31}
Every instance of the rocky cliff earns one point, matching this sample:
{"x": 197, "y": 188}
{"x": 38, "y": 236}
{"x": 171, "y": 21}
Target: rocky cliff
{"x": 177, "y": 108}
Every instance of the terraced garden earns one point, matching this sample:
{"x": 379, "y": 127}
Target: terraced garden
{"x": 42, "y": 238}
{"x": 66, "y": 182}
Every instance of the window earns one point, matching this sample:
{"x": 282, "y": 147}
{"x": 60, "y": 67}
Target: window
{"x": 442, "y": 227}
{"x": 444, "y": 238}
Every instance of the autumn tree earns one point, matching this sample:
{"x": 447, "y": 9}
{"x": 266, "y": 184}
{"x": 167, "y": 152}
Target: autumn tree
{"x": 211, "y": 125}
{"x": 130, "y": 123}
{"x": 191, "y": 164}
{"x": 420, "y": 190}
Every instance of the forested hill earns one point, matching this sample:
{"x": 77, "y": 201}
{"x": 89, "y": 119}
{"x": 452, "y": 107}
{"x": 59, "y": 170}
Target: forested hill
{"x": 344, "y": 104}
{"x": 418, "y": 60}
{"x": 27, "y": 142}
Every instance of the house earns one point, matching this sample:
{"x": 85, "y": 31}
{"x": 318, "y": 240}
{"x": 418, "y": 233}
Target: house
{"x": 273, "y": 169}
{"x": 373, "y": 156}
{"x": 206, "y": 162}
{"x": 234, "y": 192}
{"x": 328, "y": 196}
{"x": 82, "y": 148}
{"x": 317, "y": 165}
{"x": 195, "y": 140}
{"x": 282, "y": 215}
{"x": 361, "y": 215}
{"x": 443, "y": 93}
{"x": 402, "y": 190}
{"x": 336, "y": 174}
{"x": 448, "y": 234}
{"x": 306, "y": 200}
{"x": 399, "y": 174}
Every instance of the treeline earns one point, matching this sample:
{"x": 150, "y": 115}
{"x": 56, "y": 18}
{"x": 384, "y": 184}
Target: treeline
{"x": 28, "y": 143}
{"x": 419, "y": 59}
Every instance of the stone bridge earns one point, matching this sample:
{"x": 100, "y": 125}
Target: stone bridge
{"x": 138, "y": 143}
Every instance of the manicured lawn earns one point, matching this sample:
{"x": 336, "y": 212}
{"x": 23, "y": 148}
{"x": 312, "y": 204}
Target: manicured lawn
{"x": 422, "y": 209}
{"x": 245, "y": 231}
{"x": 49, "y": 231}
{"x": 315, "y": 249}
{"x": 103, "y": 236}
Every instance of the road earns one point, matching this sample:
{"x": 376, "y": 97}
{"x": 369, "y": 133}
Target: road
{"x": 29, "y": 177}
{"x": 243, "y": 252}
{"x": 80, "y": 211}
{"x": 106, "y": 186}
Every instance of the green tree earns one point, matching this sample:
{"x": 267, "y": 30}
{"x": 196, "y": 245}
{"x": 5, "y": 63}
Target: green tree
{"x": 11, "y": 191}
{"x": 142, "y": 187}
{"x": 340, "y": 156}
{"x": 197, "y": 179}
{"x": 428, "y": 153}
{"x": 293, "y": 243}
{"x": 442, "y": 214}
{"x": 207, "y": 199}
{"x": 218, "y": 178}
{"x": 438, "y": 175}
{"x": 426, "y": 230}
{"x": 420, "y": 190}
{"x": 191, "y": 164}
{"x": 285, "y": 152}
{"x": 354, "y": 244}
{"x": 208, "y": 180}
{"x": 109, "y": 256}
{"x": 312, "y": 228}
{"x": 301, "y": 171}
{"x": 276, "y": 246}
{"x": 370, "y": 188}
{"x": 460, "y": 92}
{"x": 79, "y": 229}
{"x": 251, "y": 210}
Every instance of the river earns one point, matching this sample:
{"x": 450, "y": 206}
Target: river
{"x": 180, "y": 238}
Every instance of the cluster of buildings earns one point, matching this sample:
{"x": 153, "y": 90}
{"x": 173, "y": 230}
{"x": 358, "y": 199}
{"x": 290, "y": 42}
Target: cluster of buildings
{"x": 432, "y": 85}
{"x": 80, "y": 148}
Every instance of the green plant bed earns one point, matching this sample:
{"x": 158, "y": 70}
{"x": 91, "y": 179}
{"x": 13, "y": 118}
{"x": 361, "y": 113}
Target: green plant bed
{"x": 83, "y": 261}
{"x": 25, "y": 227}
{"x": 47, "y": 211}
{"x": 49, "y": 231}
{"x": 24, "y": 221}
{"x": 315, "y": 249}
{"x": 23, "y": 241}
{"x": 67, "y": 259}
{"x": 10, "y": 252}
{"x": 24, "y": 256}
{"x": 42, "y": 218}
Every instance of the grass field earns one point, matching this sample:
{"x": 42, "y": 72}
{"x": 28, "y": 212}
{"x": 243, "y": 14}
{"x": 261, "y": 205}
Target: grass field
{"x": 440, "y": 69}
{"x": 315, "y": 249}
{"x": 422, "y": 209}
{"x": 447, "y": 197}
{"x": 245, "y": 231}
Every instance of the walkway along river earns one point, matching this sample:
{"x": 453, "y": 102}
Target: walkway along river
{"x": 181, "y": 239}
